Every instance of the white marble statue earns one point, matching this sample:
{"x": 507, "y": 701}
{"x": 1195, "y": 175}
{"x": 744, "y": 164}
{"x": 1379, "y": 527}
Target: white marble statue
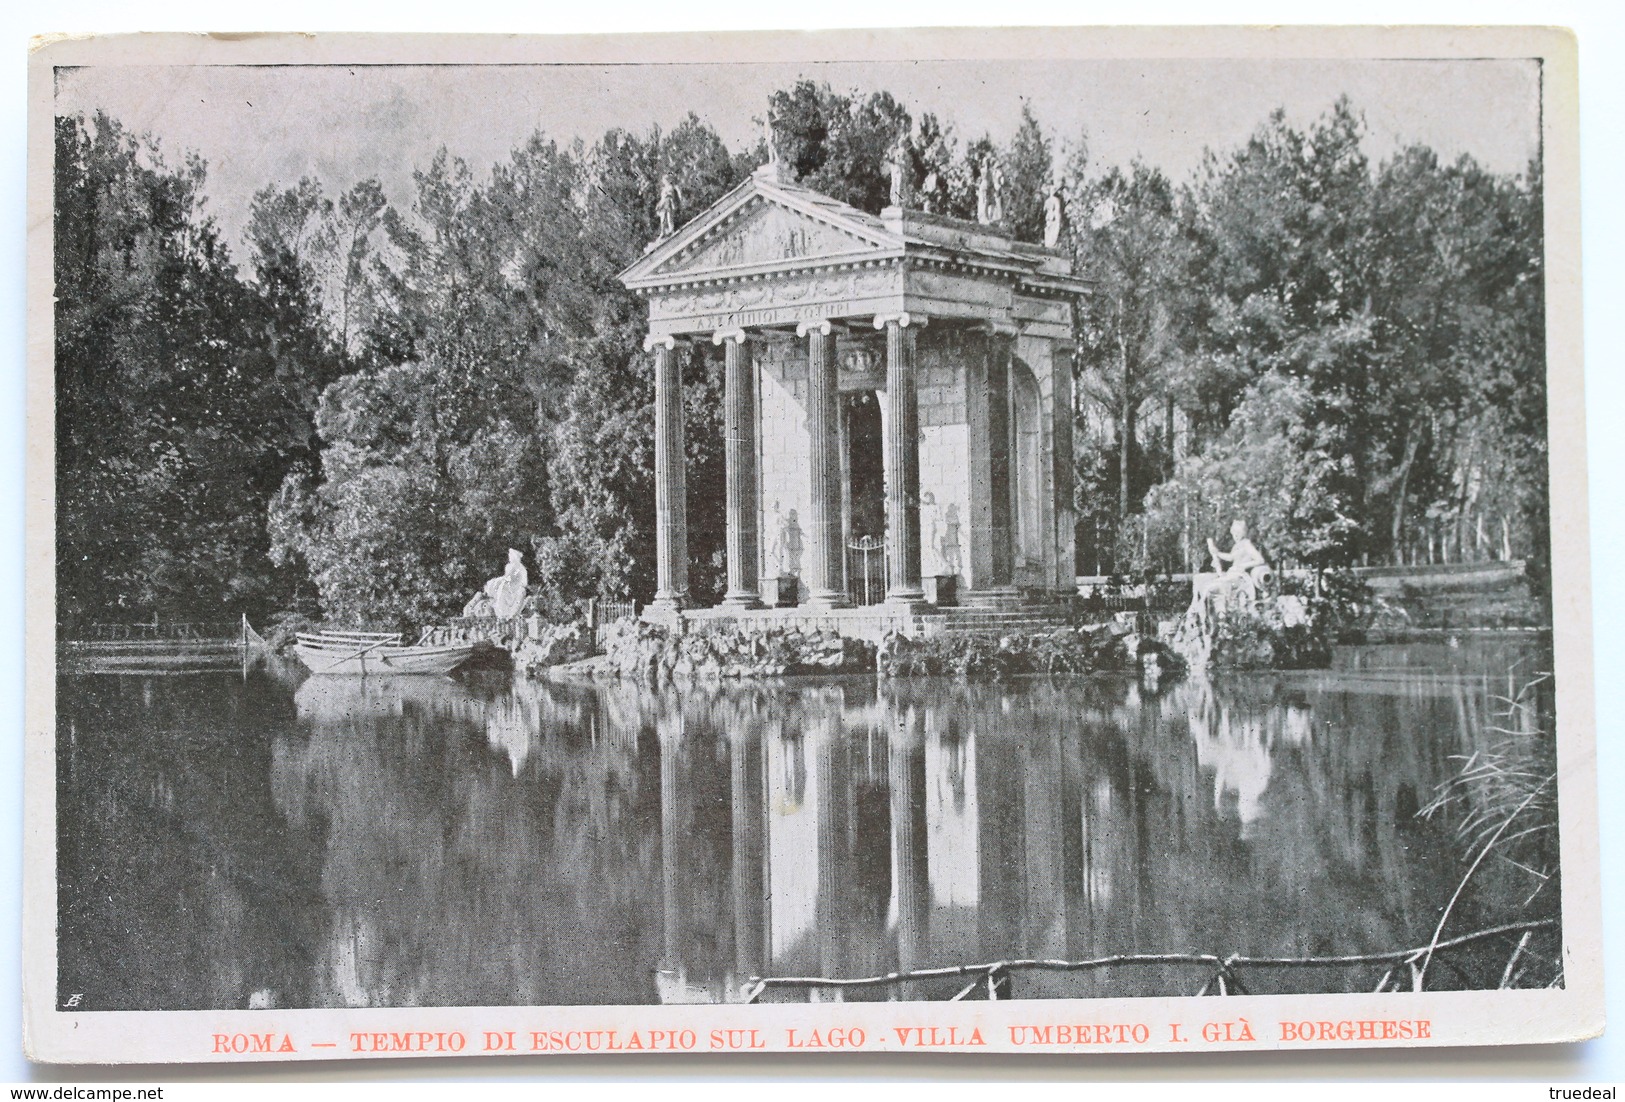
{"x": 1243, "y": 556}
{"x": 989, "y": 208}
{"x": 931, "y": 193}
{"x": 897, "y": 164}
{"x": 785, "y": 556}
{"x": 1239, "y": 579}
{"x": 770, "y": 135}
{"x": 1054, "y": 218}
{"x": 502, "y": 597}
{"x": 666, "y": 206}
{"x": 931, "y": 528}
{"x": 948, "y": 549}
{"x": 1237, "y": 575}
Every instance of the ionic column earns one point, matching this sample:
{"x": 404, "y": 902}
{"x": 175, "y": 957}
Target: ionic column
{"x": 827, "y": 578}
{"x": 671, "y": 500}
{"x": 827, "y": 744}
{"x": 675, "y": 826}
{"x": 902, "y": 461}
{"x": 745, "y": 793}
{"x": 911, "y": 891}
{"x": 739, "y": 428}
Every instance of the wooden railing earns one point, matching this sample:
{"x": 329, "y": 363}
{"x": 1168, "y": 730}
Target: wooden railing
{"x": 1400, "y": 969}
{"x": 157, "y": 631}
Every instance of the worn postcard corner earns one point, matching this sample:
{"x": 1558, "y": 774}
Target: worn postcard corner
{"x": 1003, "y": 541}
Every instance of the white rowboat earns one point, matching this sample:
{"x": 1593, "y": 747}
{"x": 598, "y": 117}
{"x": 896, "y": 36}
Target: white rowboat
{"x": 360, "y": 653}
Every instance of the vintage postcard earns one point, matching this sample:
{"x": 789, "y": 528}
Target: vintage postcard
{"x": 1038, "y": 541}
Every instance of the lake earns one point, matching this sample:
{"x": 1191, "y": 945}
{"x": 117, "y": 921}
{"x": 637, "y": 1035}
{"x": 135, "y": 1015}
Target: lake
{"x": 238, "y": 840}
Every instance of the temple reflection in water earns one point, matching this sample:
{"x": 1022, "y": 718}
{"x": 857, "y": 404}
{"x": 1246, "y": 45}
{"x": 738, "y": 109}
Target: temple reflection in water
{"x": 416, "y": 842}
{"x": 554, "y": 845}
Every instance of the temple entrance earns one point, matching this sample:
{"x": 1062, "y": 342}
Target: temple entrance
{"x": 864, "y": 501}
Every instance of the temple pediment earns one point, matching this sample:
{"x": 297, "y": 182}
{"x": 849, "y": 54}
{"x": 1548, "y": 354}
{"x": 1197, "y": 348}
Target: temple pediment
{"x": 772, "y": 254}
{"x": 763, "y": 226}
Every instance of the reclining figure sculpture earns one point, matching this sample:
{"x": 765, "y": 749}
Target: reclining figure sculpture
{"x": 504, "y": 596}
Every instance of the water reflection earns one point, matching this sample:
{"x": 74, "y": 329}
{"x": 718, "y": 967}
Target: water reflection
{"x": 421, "y": 842}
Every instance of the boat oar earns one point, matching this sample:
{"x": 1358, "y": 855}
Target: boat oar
{"x": 390, "y": 642}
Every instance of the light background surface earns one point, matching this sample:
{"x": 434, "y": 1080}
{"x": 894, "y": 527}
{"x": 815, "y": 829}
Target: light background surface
{"x": 1601, "y": 61}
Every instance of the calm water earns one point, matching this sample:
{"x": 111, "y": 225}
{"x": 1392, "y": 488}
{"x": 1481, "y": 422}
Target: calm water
{"x": 228, "y": 841}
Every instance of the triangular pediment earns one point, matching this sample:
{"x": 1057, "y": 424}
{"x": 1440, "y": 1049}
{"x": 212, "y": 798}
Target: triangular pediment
{"x": 762, "y": 233}
{"x": 762, "y": 226}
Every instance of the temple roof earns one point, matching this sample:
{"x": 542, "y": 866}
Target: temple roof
{"x": 767, "y": 225}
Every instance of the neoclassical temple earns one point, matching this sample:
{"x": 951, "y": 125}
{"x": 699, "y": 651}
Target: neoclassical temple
{"x": 898, "y": 395}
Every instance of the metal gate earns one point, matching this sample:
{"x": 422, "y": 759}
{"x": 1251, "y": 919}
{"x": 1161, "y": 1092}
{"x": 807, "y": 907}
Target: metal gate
{"x": 866, "y": 570}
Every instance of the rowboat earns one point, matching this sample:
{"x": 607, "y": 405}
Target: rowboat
{"x": 359, "y": 653}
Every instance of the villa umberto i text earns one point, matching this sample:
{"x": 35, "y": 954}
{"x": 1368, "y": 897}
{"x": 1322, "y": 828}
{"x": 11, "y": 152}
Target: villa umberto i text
{"x": 898, "y": 398}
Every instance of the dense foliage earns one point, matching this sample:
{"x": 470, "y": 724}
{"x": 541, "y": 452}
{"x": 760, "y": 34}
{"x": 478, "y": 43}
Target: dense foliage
{"x": 365, "y": 415}
{"x": 1351, "y": 357}
{"x": 183, "y": 391}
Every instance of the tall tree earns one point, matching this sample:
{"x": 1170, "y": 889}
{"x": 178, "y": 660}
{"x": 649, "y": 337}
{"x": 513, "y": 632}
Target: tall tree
{"x": 837, "y": 144}
{"x": 1131, "y": 242}
{"x": 1029, "y": 172}
{"x": 182, "y": 391}
{"x": 357, "y": 223}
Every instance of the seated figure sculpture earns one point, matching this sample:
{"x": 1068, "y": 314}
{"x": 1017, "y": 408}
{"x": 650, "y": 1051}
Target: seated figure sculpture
{"x": 1238, "y": 574}
{"x": 504, "y": 596}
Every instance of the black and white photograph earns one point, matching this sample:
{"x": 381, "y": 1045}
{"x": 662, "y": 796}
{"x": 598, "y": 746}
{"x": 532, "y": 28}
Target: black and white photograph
{"x": 1005, "y": 541}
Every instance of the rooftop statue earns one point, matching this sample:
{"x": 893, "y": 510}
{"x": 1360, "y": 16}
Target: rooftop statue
{"x": 897, "y": 166}
{"x": 1054, "y": 218}
{"x": 770, "y": 136}
{"x": 989, "y": 208}
{"x": 931, "y": 193}
{"x": 666, "y": 206}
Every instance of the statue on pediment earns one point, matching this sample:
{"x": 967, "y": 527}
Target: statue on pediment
{"x": 1054, "y": 218}
{"x": 666, "y": 207}
{"x": 897, "y": 166}
{"x": 774, "y": 167}
{"x": 989, "y": 208}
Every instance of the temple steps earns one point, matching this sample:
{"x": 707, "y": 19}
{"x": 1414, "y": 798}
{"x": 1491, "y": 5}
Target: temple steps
{"x": 996, "y": 621}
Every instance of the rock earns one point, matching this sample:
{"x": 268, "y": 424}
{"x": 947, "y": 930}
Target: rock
{"x": 653, "y": 651}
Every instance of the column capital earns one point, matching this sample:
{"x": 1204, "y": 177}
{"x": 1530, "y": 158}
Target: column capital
{"x": 664, "y": 340}
{"x": 822, "y": 325}
{"x": 903, "y": 319}
{"x": 721, "y": 335}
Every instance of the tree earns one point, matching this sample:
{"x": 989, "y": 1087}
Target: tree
{"x": 355, "y": 298}
{"x": 181, "y": 391}
{"x": 1455, "y": 263}
{"x": 603, "y": 489}
{"x": 1028, "y": 172}
{"x": 1132, "y": 244}
{"x": 1279, "y": 466}
{"x": 401, "y": 527}
{"x": 839, "y": 145}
